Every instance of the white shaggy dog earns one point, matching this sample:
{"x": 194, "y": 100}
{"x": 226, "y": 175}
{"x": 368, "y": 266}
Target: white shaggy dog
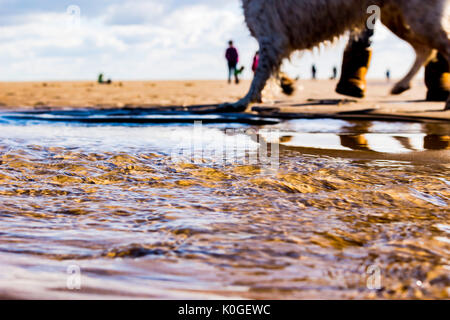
{"x": 283, "y": 26}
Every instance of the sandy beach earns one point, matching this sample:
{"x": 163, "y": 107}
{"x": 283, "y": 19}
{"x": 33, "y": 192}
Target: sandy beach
{"x": 119, "y": 94}
{"x": 181, "y": 93}
{"x": 311, "y": 98}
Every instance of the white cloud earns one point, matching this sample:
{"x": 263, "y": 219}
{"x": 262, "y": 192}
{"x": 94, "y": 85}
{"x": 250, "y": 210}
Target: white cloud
{"x": 134, "y": 12}
{"x": 148, "y": 39}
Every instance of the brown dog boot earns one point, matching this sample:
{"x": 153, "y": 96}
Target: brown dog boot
{"x": 287, "y": 84}
{"x": 354, "y": 70}
{"x": 437, "y": 79}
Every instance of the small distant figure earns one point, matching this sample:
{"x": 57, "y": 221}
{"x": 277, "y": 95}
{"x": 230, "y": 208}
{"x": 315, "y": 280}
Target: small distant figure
{"x": 335, "y": 72}
{"x": 255, "y": 62}
{"x": 314, "y": 72}
{"x": 388, "y": 75}
{"x": 232, "y": 57}
{"x": 102, "y": 81}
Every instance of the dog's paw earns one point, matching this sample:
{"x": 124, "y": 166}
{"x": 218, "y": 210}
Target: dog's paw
{"x": 239, "y": 106}
{"x": 400, "y": 88}
{"x": 287, "y": 84}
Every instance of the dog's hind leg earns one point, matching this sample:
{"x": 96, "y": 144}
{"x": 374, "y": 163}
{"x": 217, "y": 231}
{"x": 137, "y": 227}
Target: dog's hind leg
{"x": 406, "y": 28}
{"x": 272, "y": 53}
{"x": 427, "y": 29}
{"x": 444, "y": 49}
{"x": 423, "y": 56}
{"x": 440, "y": 41}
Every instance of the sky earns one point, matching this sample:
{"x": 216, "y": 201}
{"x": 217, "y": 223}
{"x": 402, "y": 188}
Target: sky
{"x": 151, "y": 40}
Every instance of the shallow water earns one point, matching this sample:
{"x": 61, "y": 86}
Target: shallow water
{"x": 142, "y": 215}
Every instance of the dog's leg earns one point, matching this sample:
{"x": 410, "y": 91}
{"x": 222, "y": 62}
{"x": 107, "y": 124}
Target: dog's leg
{"x": 423, "y": 56}
{"x": 440, "y": 40}
{"x": 445, "y": 51}
{"x": 271, "y": 56}
{"x": 428, "y": 28}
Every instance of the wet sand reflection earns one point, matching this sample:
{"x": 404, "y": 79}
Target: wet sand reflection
{"x": 359, "y": 136}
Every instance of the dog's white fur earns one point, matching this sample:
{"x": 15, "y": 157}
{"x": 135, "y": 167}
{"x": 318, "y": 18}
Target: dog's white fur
{"x": 283, "y": 26}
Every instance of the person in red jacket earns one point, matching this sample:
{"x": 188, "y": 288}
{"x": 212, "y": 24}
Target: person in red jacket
{"x": 232, "y": 57}
{"x": 255, "y": 62}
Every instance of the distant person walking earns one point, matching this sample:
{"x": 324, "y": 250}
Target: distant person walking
{"x": 334, "y": 74}
{"x": 388, "y": 75}
{"x": 314, "y": 72}
{"x": 232, "y": 57}
{"x": 255, "y": 62}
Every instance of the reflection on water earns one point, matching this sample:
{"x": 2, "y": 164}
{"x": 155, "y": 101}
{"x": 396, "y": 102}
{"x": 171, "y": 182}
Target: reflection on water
{"x": 110, "y": 200}
{"x": 368, "y": 136}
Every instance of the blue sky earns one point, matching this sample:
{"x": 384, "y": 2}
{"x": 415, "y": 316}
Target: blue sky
{"x": 150, "y": 39}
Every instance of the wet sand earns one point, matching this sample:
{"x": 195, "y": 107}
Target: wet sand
{"x": 312, "y": 99}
